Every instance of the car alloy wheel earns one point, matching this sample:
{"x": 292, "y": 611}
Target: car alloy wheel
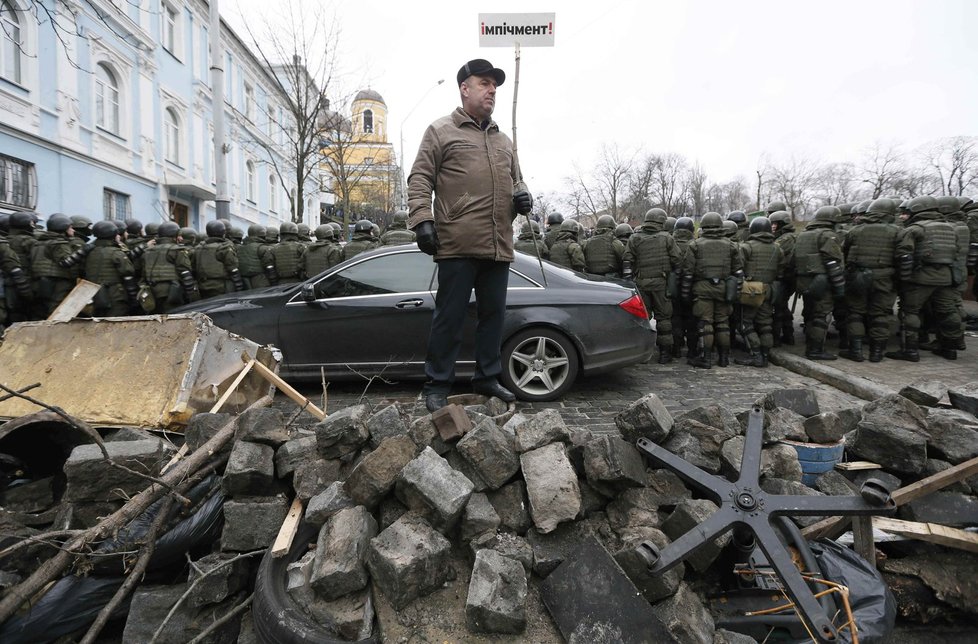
{"x": 539, "y": 364}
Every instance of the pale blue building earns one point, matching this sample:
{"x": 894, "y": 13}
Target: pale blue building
{"x": 106, "y": 112}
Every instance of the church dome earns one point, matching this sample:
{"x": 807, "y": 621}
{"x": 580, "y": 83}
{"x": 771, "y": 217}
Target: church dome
{"x": 369, "y": 95}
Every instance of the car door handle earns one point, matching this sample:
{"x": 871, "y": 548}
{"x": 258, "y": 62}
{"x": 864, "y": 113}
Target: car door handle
{"x": 409, "y": 304}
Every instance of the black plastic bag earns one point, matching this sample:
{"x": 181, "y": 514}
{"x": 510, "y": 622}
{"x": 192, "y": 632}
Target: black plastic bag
{"x": 873, "y": 606}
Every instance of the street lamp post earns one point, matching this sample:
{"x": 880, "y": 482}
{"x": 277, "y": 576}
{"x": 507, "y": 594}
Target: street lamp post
{"x": 403, "y": 180}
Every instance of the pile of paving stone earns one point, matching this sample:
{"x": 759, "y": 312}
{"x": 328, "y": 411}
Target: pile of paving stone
{"x": 442, "y": 526}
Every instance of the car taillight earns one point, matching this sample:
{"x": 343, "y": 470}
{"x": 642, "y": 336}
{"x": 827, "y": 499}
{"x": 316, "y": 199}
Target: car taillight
{"x": 635, "y": 306}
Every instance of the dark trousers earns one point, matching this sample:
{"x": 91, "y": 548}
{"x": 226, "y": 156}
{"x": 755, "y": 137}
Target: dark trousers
{"x": 456, "y": 280}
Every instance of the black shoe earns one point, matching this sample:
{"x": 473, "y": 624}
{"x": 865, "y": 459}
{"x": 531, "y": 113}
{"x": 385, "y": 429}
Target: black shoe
{"x": 816, "y": 351}
{"x": 876, "y": 350}
{"x": 723, "y": 357}
{"x": 947, "y": 354}
{"x": 910, "y": 355}
{"x": 756, "y": 360}
{"x": 494, "y": 389}
{"x": 434, "y": 402}
{"x": 702, "y": 361}
{"x": 677, "y": 350}
{"x": 665, "y": 355}
{"x": 855, "y": 350}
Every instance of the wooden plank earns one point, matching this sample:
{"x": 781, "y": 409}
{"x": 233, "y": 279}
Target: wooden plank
{"x": 216, "y": 408}
{"x": 834, "y": 526}
{"x": 289, "y": 391}
{"x": 862, "y": 538}
{"x": 852, "y": 466}
{"x": 75, "y": 301}
{"x": 286, "y": 533}
{"x": 932, "y": 532}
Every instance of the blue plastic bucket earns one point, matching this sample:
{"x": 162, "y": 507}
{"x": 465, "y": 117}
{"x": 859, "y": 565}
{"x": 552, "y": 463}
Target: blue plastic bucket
{"x": 816, "y": 458}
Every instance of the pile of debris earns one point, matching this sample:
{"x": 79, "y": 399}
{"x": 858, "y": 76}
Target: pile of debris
{"x": 395, "y": 524}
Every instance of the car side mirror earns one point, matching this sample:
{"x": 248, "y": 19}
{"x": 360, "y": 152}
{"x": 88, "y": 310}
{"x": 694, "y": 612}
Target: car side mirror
{"x": 308, "y": 292}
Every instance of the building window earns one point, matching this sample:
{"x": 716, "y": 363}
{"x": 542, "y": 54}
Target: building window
{"x": 106, "y": 99}
{"x": 171, "y": 135}
{"x": 272, "y": 192}
{"x": 368, "y": 161}
{"x": 368, "y": 121}
{"x": 228, "y": 85}
{"x": 205, "y": 57}
{"x": 18, "y": 183}
{"x": 10, "y": 53}
{"x": 115, "y": 205}
{"x": 170, "y": 27}
{"x": 251, "y": 180}
{"x": 249, "y": 101}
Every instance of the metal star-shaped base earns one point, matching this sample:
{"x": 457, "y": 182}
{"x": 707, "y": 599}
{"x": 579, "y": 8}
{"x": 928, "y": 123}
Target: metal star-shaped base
{"x": 743, "y": 504}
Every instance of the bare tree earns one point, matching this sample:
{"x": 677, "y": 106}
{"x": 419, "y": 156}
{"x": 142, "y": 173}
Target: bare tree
{"x": 792, "y": 181}
{"x": 697, "y": 188}
{"x": 881, "y": 168}
{"x": 954, "y": 164}
{"x": 668, "y": 187}
{"x": 833, "y": 183}
{"x": 602, "y": 190}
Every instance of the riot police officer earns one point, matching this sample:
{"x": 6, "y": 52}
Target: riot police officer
{"x": 820, "y": 274}
{"x": 249, "y": 262}
{"x": 739, "y": 217}
{"x": 108, "y": 265}
{"x": 531, "y": 241}
{"x": 603, "y": 252}
{"x": 764, "y": 265}
{"x": 623, "y": 232}
{"x": 15, "y": 285}
{"x": 554, "y": 220}
{"x": 397, "y": 233}
{"x": 52, "y": 265}
{"x": 216, "y": 263}
{"x": 323, "y": 253}
{"x": 710, "y": 277}
{"x": 566, "y": 251}
{"x": 285, "y": 261}
{"x": 168, "y": 270}
{"x": 870, "y": 252}
{"x": 655, "y": 260}
{"x": 784, "y": 236}
{"x": 363, "y": 239}
{"x": 683, "y": 323}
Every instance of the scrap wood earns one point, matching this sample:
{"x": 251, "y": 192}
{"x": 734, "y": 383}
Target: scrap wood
{"x": 213, "y": 410}
{"x": 289, "y": 391}
{"x": 138, "y": 504}
{"x": 75, "y": 301}
{"x": 286, "y": 533}
{"x": 832, "y": 527}
{"x": 932, "y": 532}
{"x": 852, "y": 466}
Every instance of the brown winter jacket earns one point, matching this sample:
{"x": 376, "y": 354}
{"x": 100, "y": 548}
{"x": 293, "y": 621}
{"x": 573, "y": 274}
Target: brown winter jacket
{"x": 473, "y": 174}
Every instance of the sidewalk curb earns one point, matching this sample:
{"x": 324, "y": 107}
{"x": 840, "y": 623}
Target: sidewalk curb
{"x": 852, "y": 385}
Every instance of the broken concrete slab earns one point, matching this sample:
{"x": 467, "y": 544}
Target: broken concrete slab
{"x": 551, "y": 486}
{"x": 424, "y": 434}
{"x": 647, "y": 417}
{"x": 429, "y": 486}
{"x": 375, "y": 475}
{"x": 312, "y": 477}
{"x": 390, "y": 421}
{"x": 508, "y": 545}
{"x": 894, "y": 448}
{"x": 92, "y": 478}
{"x": 292, "y": 453}
{"x": 478, "y": 517}
{"x": 613, "y": 465}
{"x": 666, "y": 487}
{"x": 950, "y": 439}
{"x": 341, "y": 548}
{"x": 945, "y": 508}
{"x": 459, "y": 464}
{"x": 343, "y": 432}
{"x": 541, "y": 429}
{"x": 551, "y": 549}
{"x": 327, "y": 503}
{"x": 512, "y": 506}
{"x": 834, "y": 483}
{"x": 895, "y": 411}
{"x": 151, "y": 604}
{"x": 490, "y": 453}
{"x": 800, "y": 401}
{"x": 221, "y": 576}
{"x": 964, "y": 397}
{"x": 637, "y": 507}
{"x": 687, "y": 515}
{"x": 250, "y": 470}
{"x": 496, "y": 601}
{"x": 685, "y": 616}
{"x": 408, "y": 560}
{"x": 264, "y": 425}
{"x": 687, "y": 444}
{"x": 717, "y": 416}
{"x": 351, "y": 616}
{"x": 251, "y": 523}
{"x": 829, "y": 426}
{"x": 925, "y": 392}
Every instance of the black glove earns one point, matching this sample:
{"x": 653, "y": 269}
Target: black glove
{"x": 523, "y": 202}
{"x": 427, "y": 237}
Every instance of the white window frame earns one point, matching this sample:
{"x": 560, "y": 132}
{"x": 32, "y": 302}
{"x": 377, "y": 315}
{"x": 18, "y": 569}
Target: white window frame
{"x": 368, "y": 128}
{"x": 171, "y": 28}
{"x": 110, "y": 205}
{"x": 172, "y": 135}
{"x": 22, "y": 193}
{"x": 272, "y": 191}
{"x": 249, "y": 101}
{"x": 12, "y": 42}
{"x": 251, "y": 181}
{"x": 108, "y": 99}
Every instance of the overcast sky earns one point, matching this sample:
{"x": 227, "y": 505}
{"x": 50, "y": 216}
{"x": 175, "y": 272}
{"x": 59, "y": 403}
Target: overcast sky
{"x": 720, "y": 82}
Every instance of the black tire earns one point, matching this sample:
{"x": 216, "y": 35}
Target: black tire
{"x": 539, "y": 364}
{"x": 278, "y": 619}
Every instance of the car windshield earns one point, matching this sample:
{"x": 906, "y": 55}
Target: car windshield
{"x": 397, "y": 273}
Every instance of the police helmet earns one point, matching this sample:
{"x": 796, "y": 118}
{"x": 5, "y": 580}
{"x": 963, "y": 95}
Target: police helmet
{"x": 152, "y": 229}
{"x": 335, "y": 226}
{"x": 235, "y": 234}
{"x": 657, "y": 215}
{"x": 120, "y": 226}
{"x": 862, "y": 207}
{"x": 271, "y": 234}
{"x": 827, "y": 213}
{"x": 400, "y": 217}
{"x": 923, "y": 203}
{"x": 215, "y": 228}
{"x": 21, "y": 221}
{"x": 554, "y": 218}
{"x": 711, "y": 220}
{"x": 775, "y": 206}
{"x": 325, "y": 232}
{"x": 81, "y": 224}
{"x": 168, "y": 229}
{"x": 780, "y": 217}
{"x": 526, "y": 228}
{"x": 966, "y": 203}
{"x": 4, "y": 222}
{"x": 606, "y": 221}
{"x": 303, "y": 230}
{"x": 669, "y": 224}
{"x": 189, "y": 234}
{"x": 685, "y": 223}
{"x": 737, "y": 216}
{"x": 375, "y": 230}
{"x": 569, "y": 226}
{"x": 947, "y": 205}
{"x": 134, "y": 227}
{"x": 363, "y": 226}
{"x": 760, "y": 225}
{"x": 288, "y": 228}
{"x": 59, "y": 223}
{"x": 881, "y": 206}
{"x": 729, "y": 227}
{"x": 104, "y": 230}
{"x": 623, "y": 231}
{"x": 256, "y": 230}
